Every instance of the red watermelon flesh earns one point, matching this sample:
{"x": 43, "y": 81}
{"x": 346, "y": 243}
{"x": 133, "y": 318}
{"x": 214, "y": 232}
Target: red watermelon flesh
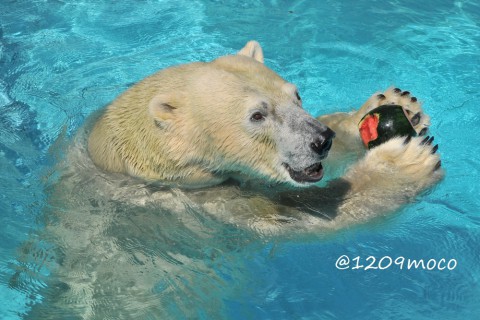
{"x": 368, "y": 128}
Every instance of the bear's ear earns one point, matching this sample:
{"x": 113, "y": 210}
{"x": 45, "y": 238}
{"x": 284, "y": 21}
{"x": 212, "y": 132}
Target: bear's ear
{"x": 162, "y": 108}
{"x": 252, "y": 50}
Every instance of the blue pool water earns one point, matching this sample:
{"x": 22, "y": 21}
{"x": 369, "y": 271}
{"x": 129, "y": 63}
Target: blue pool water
{"x": 62, "y": 60}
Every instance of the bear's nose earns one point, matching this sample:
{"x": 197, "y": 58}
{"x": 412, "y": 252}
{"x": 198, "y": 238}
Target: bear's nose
{"x": 322, "y": 144}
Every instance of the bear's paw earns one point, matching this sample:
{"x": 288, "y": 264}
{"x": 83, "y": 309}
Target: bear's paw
{"x": 410, "y": 162}
{"x": 395, "y": 96}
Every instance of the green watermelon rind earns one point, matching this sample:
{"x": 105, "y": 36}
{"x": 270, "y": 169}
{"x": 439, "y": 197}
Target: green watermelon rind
{"x": 393, "y": 122}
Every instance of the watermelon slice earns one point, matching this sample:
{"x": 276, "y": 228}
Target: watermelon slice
{"x": 383, "y": 123}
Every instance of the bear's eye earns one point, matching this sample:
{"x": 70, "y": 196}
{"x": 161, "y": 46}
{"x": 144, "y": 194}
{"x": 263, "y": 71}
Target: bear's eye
{"x": 257, "y": 116}
{"x": 298, "y": 96}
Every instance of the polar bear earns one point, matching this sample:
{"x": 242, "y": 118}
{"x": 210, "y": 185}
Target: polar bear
{"x": 201, "y": 124}
{"x": 159, "y": 195}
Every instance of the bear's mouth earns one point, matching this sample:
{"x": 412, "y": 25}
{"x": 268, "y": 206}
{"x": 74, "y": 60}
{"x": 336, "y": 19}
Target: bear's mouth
{"x": 310, "y": 174}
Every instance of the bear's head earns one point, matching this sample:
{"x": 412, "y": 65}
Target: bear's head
{"x": 234, "y": 117}
{"x": 199, "y": 124}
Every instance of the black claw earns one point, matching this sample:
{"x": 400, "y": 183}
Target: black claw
{"x": 413, "y": 99}
{"x": 415, "y": 119}
{"x": 407, "y": 140}
{"x": 429, "y": 142}
{"x": 437, "y": 166}
{"x": 434, "y": 149}
{"x": 405, "y": 93}
{"x": 381, "y": 96}
{"x": 396, "y": 90}
{"x": 424, "y": 141}
{"x": 423, "y": 132}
